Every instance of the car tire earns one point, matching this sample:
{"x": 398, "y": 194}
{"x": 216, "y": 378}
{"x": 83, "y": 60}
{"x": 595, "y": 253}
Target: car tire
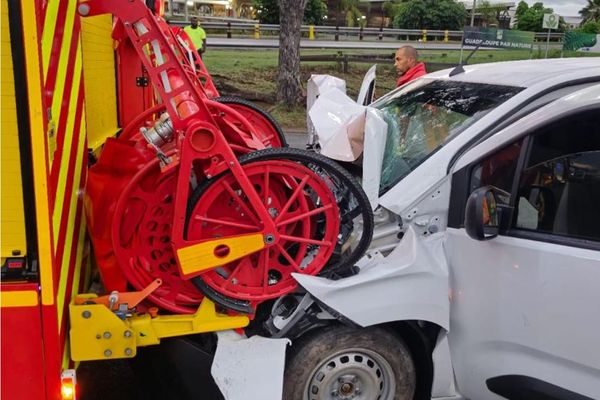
{"x": 340, "y": 362}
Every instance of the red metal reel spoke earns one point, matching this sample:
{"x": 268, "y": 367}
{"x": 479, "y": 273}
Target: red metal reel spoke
{"x": 226, "y": 223}
{"x": 303, "y": 245}
{"x": 293, "y": 217}
{"x": 142, "y": 239}
{"x": 236, "y": 197}
{"x": 268, "y": 134}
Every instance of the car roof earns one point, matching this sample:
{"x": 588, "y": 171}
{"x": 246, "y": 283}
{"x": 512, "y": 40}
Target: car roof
{"x": 524, "y": 73}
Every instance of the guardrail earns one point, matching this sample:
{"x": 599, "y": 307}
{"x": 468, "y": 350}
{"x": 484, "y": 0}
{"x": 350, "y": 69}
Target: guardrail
{"x": 256, "y": 30}
{"x": 344, "y": 59}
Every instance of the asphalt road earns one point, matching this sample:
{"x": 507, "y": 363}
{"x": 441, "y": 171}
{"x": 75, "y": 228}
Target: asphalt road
{"x": 296, "y": 139}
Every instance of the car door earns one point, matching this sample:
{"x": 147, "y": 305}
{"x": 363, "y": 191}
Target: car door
{"x": 525, "y": 305}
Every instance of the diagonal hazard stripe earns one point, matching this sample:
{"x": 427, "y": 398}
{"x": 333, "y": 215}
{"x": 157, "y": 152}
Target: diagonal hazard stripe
{"x": 64, "y": 208}
{"x": 60, "y": 73}
{"x": 65, "y": 110}
{"x": 72, "y": 215}
{"x": 70, "y": 126}
{"x": 48, "y": 37}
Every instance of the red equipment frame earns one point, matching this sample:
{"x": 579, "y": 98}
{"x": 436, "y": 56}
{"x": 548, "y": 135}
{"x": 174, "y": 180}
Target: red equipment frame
{"x": 204, "y": 141}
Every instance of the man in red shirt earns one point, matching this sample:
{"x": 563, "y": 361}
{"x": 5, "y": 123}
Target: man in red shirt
{"x": 407, "y": 65}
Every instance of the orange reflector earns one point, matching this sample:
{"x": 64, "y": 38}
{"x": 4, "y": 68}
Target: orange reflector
{"x": 68, "y": 385}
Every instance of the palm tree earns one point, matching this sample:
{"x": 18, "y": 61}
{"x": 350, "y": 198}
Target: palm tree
{"x": 591, "y": 12}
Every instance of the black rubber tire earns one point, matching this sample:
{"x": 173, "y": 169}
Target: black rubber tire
{"x": 305, "y": 157}
{"x": 310, "y": 351}
{"x": 245, "y": 103}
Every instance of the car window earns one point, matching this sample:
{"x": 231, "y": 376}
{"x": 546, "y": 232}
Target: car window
{"x": 425, "y": 117}
{"x": 497, "y": 170}
{"x": 559, "y": 187}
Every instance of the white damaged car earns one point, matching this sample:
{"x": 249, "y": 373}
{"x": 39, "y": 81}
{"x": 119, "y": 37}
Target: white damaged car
{"x": 482, "y": 278}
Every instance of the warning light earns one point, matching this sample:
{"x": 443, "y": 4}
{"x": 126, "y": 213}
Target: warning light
{"x": 68, "y": 390}
{"x": 68, "y": 385}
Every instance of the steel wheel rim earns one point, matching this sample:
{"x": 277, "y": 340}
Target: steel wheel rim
{"x": 142, "y": 267}
{"x": 352, "y": 374}
{"x": 228, "y": 280}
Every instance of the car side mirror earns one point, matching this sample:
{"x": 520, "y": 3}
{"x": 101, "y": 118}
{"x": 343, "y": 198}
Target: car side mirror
{"x": 482, "y": 214}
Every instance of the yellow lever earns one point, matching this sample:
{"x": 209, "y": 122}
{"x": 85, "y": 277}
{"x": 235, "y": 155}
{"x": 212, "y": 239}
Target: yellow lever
{"x": 213, "y": 253}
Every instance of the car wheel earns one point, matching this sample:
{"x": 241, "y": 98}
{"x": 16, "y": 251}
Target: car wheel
{"x": 348, "y": 363}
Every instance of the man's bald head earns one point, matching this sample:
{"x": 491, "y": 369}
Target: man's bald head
{"x": 406, "y": 58}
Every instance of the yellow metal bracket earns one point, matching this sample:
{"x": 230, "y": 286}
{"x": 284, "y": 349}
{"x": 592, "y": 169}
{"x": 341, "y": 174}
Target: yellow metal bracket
{"x": 213, "y": 253}
{"x": 97, "y": 333}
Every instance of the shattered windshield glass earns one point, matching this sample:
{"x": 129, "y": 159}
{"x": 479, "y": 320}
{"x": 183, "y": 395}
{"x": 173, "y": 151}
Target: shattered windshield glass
{"x": 424, "y": 116}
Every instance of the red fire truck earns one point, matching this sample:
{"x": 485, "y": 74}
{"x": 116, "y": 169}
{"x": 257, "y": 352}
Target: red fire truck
{"x": 70, "y": 87}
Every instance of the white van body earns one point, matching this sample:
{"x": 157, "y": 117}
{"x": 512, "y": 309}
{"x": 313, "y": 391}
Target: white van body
{"x": 518, "y": 314}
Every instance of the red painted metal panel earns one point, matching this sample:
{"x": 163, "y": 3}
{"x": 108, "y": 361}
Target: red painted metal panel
{"x": 52, "y": 352}
{"x": 22, "y": 349}
{"x": 133, "y": 99}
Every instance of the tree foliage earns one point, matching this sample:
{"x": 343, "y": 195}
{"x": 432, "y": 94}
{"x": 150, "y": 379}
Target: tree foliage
{"x": 315, "y": 12}
{"x": 590, "y": 27}
{"x": 591, "y": 12}
{"x": 267, "y": 11}
{"x": 532, "y": 18}
{"x": 391, "y": 9}
{"x": 522, "y": 7}
{"x": 430, "y": 14}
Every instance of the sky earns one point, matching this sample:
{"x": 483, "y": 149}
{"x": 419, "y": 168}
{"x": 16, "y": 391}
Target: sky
{"x": 562, "y": 7}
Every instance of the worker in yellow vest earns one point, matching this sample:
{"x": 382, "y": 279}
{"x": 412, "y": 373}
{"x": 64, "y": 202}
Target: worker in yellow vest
{"x": 196, "y": 34}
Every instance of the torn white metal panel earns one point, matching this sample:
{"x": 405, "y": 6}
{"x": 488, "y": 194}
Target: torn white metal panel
{"x": 411, "y": 283}
{"x": 339, "y": 125}
{"x": 316, "y": 85}
{"x": 245, "y": 368}
{"x": 365, "y": 95}
{"x": 374, "y": 146}
{"x": 443, "y": 372}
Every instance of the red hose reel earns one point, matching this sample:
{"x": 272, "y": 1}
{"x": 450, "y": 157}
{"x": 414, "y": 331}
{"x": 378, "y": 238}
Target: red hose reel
{"x": 177, "y": 195}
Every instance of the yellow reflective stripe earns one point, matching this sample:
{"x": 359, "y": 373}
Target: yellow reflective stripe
{"x": 78, "y": 260}
{"x": 66, "y": 358}
{"x": 25, "y": 298}
{"x": 63, "y": 172}
{"x": 38, "y": 149}
{"x": 48, "y": 33}
{"x": 70, "y": 234}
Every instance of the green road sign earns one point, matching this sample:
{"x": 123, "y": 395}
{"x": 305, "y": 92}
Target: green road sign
{"x": 499, "y": 38}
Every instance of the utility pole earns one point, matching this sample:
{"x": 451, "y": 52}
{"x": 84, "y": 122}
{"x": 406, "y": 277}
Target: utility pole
{"x": 473, "y": 13}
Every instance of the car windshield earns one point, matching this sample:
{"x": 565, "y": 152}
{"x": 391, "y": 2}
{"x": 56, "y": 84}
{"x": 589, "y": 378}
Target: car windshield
{"x": 425, "y": 115}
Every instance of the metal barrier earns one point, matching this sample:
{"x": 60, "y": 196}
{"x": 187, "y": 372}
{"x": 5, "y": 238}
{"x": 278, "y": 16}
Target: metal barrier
{"x": 344, "y": 59}
{"x": 245, "y": 29}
